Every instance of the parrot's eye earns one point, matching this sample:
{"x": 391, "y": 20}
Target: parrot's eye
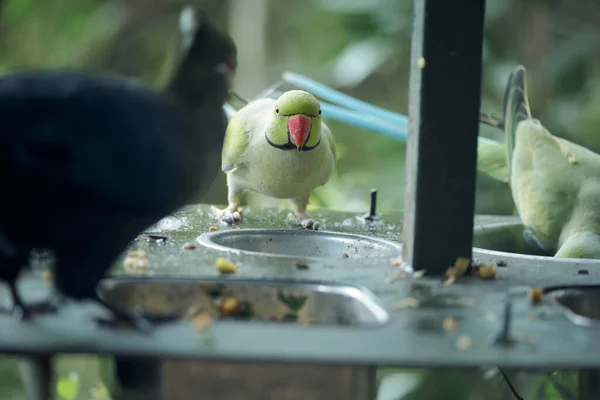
{"x": 277, "y": 111}
{"x": 319, "y": 111}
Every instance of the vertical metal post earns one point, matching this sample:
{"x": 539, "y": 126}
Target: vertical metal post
{"x": 444, "y": 100}
{"x": 38, "y": 377}
{"x": 137, "y": 379}
{"x": 589, "y": 385}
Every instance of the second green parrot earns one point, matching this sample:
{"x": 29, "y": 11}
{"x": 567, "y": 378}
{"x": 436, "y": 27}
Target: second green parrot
{"x": 555, "y": 183}
{"x": 280, "y": 148}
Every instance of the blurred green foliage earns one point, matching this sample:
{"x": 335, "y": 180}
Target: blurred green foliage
{"x": 361, "y": 47}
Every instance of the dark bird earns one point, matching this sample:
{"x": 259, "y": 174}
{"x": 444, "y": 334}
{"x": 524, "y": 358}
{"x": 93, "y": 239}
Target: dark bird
{"x": 92, "y": 161}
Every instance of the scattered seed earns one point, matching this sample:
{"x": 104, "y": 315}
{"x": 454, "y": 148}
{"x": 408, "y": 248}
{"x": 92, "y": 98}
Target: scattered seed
{"x": 136, "y": 260}
{"x": 459, "y": 268}
{"x": 397, "y": 261}
{"x": 418, "y": 274}
{"x": 212, "y": 229}
{"x": 138, "y": 254}
{"x": 449, "y": 281}
{"x": 464, "y": 342}
{"x": 450, "y": 324}
{"x": 501, "y": 263}
{"x": 202, "y": 321}
{"x": 421, "y": 62}
{"x": 486, "y": 272}
{"x": 408, "y": 302}
{"x": 345, "y": 255}
{"x": 189, "y": 246}
{"x": 535, "y": 295}
{"x": 225, "y": 266}
{"x": 230, "y": 306}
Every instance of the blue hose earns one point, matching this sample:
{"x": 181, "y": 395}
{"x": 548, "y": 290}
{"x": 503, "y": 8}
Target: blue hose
{"x": 369, "y": 122}
{"x": 344, "y": 100}
{"x": 380, "y": 120}
{"x": 350, "y": 117}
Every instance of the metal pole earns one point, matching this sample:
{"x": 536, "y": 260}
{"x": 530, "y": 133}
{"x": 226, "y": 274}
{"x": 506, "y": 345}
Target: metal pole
{"x": 37, "y": 376}
{"x": 589, "y": 385}
{"x": 444, "y": 100}
{"x": 137, "y": 378}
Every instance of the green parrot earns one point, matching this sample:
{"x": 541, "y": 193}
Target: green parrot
{"x": 491, "y": 159}
{"x": 555, "y": 183}
{"x": 280, "y": 148}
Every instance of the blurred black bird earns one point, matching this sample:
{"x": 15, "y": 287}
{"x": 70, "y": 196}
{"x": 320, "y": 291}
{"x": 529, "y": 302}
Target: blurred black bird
{"x": 88, "y": 162}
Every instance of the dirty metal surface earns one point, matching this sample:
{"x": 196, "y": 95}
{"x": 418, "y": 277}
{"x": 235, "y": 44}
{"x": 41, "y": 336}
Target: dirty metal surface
{"x": 275, "y": 300}
{"x": 541, "y": 336}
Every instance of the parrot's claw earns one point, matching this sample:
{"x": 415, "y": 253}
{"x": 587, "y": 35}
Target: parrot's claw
{"x": 310, "y": 224}
{"x": 229, "y": 215}
{"x": 304, "y": 220}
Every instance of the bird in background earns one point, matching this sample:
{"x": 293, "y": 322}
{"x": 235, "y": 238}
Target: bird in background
{"x": 555, "y": 183}
{"x": 280, "y": 148}
{"x": 92, "y": 161}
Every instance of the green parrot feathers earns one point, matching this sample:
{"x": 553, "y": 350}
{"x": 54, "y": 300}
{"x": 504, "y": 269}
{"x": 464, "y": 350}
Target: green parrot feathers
{"x": 270, "y": 117}
{"x": 328, "y": 133}
{"x": 555, "y": 183}
{"x": 491, "y": 159}
{"x": 290, "y": 103}
{"x": 581, "y": 245}
{"x": 516, "y": 108}
{"x": 235, "y": 143}
{"x": 295, "y": 102}
{"x": 494, "y": 158}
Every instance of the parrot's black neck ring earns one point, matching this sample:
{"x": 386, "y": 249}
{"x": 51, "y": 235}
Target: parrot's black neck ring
{"x": 291, "y": 146}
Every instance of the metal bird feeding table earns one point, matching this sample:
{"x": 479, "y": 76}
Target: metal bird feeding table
{"x": 315, "y": 324}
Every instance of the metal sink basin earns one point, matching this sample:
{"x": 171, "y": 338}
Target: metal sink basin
{"x": 163, "y": 299}
{"x": 299, "y": 244}
{"x": 503, "y": 237}
{"x": 581, "y": 304}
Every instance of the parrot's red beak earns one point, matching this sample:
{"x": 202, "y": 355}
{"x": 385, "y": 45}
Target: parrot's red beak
{"x": 299, "y": 127}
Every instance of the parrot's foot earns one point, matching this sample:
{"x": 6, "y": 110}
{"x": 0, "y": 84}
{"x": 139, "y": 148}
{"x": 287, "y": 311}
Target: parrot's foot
{"x": 229, "y": 215}
{"x": 304, "y": 220}
{"x": 133, "y": 319}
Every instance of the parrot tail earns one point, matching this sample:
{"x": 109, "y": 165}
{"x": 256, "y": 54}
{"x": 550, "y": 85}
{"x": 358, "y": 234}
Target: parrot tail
{"x": 516, "y": 108}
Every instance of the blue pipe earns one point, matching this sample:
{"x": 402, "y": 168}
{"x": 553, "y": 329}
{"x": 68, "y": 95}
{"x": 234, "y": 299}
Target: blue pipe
{"x": 369, "y": 122}
{"x": 386, "y": 120}
{"x": 350, "y": 117}
{"x": 344, "y": 100}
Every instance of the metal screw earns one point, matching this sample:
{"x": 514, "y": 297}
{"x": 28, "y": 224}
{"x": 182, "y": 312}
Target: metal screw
{"x": 372, "y": 215}
{"x": 503, "y": 337}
